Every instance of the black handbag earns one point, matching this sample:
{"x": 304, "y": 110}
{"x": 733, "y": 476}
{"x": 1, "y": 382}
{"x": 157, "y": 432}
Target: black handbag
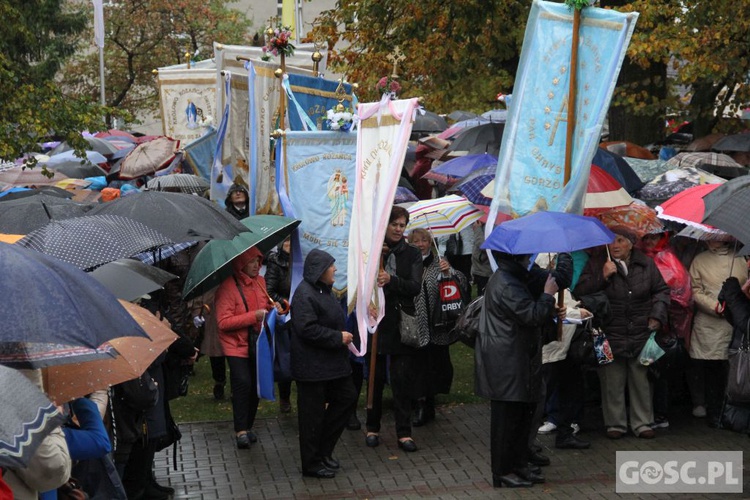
{"x": 467, "y": 325}
{"x": 282, "y": 361}
{"x": 581, "y": 350}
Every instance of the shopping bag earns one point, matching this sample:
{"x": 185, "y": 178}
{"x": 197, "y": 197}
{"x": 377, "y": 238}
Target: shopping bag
{"x": 651, "y": 352}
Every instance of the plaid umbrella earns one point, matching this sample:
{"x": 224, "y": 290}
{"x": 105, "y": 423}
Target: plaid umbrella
{"x": 183, "y": 183}
{"x": 93, "y": 240}
{"x": 443, "y": 216}
{"x": 697, "y": 159}
{"x": 149, "y": 157}
{"x": 27, "y": 416}
{"x": 474, "y": 187}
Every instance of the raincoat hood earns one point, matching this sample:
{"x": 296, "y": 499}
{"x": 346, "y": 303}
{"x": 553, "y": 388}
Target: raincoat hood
{"x": 242, "y": 259}
{"x": 316, "y": 263}
{"x": 233, "y": 189}
{"x": 660, "y": 245}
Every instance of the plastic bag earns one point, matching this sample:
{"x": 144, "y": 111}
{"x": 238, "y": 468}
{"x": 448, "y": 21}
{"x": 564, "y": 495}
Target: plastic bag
{"x": 651, "y": 352}
{"x": 602, "y": 349}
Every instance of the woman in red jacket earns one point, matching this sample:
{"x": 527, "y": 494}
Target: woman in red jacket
{"x": 241, "y": 304}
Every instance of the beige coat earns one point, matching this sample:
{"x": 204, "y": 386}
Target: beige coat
{"x": 712, "y": 333}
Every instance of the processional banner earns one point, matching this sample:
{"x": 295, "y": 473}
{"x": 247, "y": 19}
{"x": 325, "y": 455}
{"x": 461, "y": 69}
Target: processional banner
{"x": 188, "y": 101}
{"x": 316, "y": 180}
{"x": 530, "y": 170}
{"x": 247, "y": 147}
{"x": 315, "y": 96}
{"x": 382, "y": 137}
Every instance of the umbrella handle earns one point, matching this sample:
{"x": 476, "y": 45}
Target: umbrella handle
{"x": 609, "y": 257}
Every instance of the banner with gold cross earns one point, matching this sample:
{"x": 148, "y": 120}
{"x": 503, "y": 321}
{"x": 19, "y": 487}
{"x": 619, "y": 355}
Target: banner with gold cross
{"x": 530, "y": 174}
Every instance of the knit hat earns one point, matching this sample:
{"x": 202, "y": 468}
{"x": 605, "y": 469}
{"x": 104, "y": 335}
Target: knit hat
{"x": 625, "y": 232}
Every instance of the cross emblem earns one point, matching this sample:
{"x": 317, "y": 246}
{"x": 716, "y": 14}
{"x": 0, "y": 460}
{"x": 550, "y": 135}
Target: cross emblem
{"x": 396, "y": 57}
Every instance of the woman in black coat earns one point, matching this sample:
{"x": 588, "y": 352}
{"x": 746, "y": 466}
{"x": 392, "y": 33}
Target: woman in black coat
{"x": 401, "y": 280}
{"x": 508, "y": 359}
{"x": 320, "y": 365}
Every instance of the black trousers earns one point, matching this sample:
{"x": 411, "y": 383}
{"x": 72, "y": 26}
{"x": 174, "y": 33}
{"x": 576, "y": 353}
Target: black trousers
{"x": 136, "y": 475}
{"x": 510, "y": 422}
{"x": 323, "y": 409}
{"x": 243, "y": 377}
{"x": 401, "y": 378}
{"x": 218, "y": 369}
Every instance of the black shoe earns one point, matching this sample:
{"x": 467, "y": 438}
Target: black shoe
{"x": 510, "y": 481}
{"x": 534, "y": 468}
{"x": 322, "y": 473}
{"x": 252, "y": 437}
{"x": 407, "y": 445}
{"x": 353, "y": 424}
{"x": 243, "y": 442}
{"x": 285, "y": 406}
{"x": 420, "y": 417}
{"x": 532, "y": 477}
{"x": 572, "y": 443}
{"x": 154, "y": 487}
{"x": 331, "y": 463}
{"x": 539, "y": 459}
{"x": 218, "y": 391}
{"x": 372, "y": 440}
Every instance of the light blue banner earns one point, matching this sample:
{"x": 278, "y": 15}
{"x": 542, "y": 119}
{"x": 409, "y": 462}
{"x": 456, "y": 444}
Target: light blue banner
{"x": 221, "y": 175}
{"x": 532, "y": 155}
{"x": 315, "y": 96}
{"x": 316, "y": 185}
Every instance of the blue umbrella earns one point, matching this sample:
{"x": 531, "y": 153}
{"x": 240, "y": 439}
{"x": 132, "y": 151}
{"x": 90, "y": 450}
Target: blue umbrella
{"x": 464, "y": 165}
{"x": 404, "y": 195}
{"x": 542, "y": 232}
{"x": 54, "y": 313}
{"x": 617, "y": 167}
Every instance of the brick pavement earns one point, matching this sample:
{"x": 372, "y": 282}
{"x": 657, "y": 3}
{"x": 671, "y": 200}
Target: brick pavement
{"x": 452, "y": 461}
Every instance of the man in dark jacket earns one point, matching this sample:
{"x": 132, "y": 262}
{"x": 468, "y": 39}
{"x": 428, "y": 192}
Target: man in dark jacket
{"x": 237, "y": 201}
{"x": 508, "y": 361}
{"x": 320, "y": 365}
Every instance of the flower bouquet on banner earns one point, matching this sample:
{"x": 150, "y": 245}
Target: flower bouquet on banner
{"x": 340, "y": 118}
{"x": 278, "y": 41}
{"x": 388, "y": 85}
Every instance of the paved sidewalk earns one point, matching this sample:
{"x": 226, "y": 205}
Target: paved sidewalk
{"x": 452, "y": 461}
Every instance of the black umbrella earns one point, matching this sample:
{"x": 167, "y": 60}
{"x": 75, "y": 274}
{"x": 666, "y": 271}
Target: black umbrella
{"x": 93, "y": 240}
{"x": 181, "y": 217}
{"x": 77, "y": 170}
{"x": 129, "y": 279}
{"x": 54, "y": 313}
{"x": 179, "y": 183}
{"x": 50, "y": 190}
{"x": 727, "y": 207}
{"x": 428, "y": 121}
{"x": 24, "y": 215}
{"x": 736, "y": 142}
{"x": 479, "y": 139}
{"x": 461, "y": 115}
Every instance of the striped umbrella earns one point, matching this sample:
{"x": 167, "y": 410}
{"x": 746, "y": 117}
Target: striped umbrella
{"x": 443, "y": 216}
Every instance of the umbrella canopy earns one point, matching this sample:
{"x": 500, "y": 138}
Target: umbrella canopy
{"x": 93, "y": 240}
{"x": 182, "y": 183}
{"x": 181, "y": 217}
{"x": 496, "y": 115}
{"x": 460, "y": 115}
{"x": 24, "y": 215}
{"x": 460, "y": 167}
{"x": 702, "y": 158}
{"x": 54, "y": 313}
{"x": 27, "y": 416}
{"x": 404, "y": 195}
{"x": 727, "y": 207}
{"x": 16, "y": 193}
{"x": 135, "y": 354}
{"x": 427, "y": 121}
{"x": 603, "y": 192}
{"x": 149, "y": 157}
{"x": 476, "y": 186}
{"x": 20, "y": 176}
{"x": 129, "y": 279}
{"x": 91, "y": 157}
{"x": 97, "y": 144}
{"x": 617, "y": 167}
{"x": 736, "y": 142}
{"x": 548, "y": 232}
{"x": 213, "y": 263}
{"x": 443, "y": 216}
{"x": 704, "y": 143}
{"x": 76, "y": 169}
{"x": 628, "y": 149}
{"x": 687, "y": 207}
{"x": 636, "y": 218}
{"x": 483, "y": 137}
{"x": 675, "y": 181}
{"x": 648, "y": 170}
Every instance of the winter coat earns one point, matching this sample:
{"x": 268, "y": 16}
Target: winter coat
{"x": 237, "y": 214}
{"x": 736, "y": 311}
{"x": 232, "y": 317}
{"x": 399, "y": 293}
{"x": 278, "y": 278}
{"x": 130, "y": 402}
{"x": 318, "y": 353}
{"x": 633, "y": 299}
{"x": 508, "y": 349}
{"x": 711, "y": 333}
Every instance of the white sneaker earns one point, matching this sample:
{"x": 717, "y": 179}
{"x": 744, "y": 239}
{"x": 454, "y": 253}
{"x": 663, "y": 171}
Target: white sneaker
{"x": 547, "y": 427}
{"x": 576, "y": 428}
{"x": 699, "y": 411}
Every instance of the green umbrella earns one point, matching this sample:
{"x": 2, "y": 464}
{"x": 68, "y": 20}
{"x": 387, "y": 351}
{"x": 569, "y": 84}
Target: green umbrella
{"x": 213, "y": 264}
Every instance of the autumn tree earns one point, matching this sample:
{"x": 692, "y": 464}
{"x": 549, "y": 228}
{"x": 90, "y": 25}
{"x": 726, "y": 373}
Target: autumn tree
{"x": 142, "y": 35}
{"x": 38, "y": 36}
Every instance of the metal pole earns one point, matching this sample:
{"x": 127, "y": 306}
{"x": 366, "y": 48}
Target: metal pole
{"x": 101, "y": 77}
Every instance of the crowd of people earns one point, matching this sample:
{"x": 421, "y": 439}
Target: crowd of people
{"x": 634, "y": 287}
